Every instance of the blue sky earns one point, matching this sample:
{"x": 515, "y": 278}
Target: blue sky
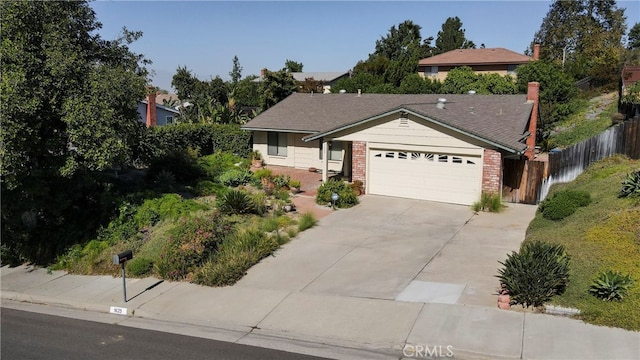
{"x": 322, "y": 35}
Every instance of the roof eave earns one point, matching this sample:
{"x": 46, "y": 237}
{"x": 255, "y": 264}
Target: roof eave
{"x": 249, "y": 128}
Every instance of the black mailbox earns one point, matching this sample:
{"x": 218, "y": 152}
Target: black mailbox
{"x": 122, "y": 257}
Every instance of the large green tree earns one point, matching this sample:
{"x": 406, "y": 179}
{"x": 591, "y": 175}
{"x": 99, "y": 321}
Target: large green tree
{"x": 585, "y": 37}
{"x": 452, "y": 36}
{"x": 68, "y": 102}
{"x": 275, "y": 86}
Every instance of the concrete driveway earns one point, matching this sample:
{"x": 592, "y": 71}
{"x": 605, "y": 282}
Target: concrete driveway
{"x": 398, "y": 249}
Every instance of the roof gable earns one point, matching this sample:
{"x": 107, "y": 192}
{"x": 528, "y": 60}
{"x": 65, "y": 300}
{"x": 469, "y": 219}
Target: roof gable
{"x": 486, "y": 56}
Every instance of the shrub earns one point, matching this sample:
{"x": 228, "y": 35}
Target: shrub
{"x": 536, "y": 273}
{"x": 346, "y": 196}
{"x": 237, "y": 253}
{"x": 295, "y": 184}
{"x": 182, "y": 164}
{"x": 212, "y": 166}
{"x": 631, "y": 185}
{"x": 259, "y": 200}
{"x": 281, "y": 195}
{"x": 165, "y": 181}
{"x": 564, "y": 203}
{"x": 307, "y": 220}
{"x": 191, "y": 243}
{"x": 262, "y": 173}
{"x": 169, "y": 206}
{"x": 207, "y": 188}
{"x": 139, "y": 266}
{"x": 235, "y": 202}
{"x": 490, "y": 202}
{"x": 161, "y": 140}
{"x": 235, "y": 177}
{"x": 281, "y": 181}
{"x": 611, "y": 286}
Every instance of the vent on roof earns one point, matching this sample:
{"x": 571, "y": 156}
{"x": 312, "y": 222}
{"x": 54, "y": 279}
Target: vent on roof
{"x": 472, "y": 92}
{"x": 441, "y": 102}
{"x": 343, "y": 91}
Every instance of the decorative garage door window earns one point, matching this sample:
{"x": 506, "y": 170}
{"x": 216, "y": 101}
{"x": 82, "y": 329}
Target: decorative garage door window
{"x": 425, "y": 157}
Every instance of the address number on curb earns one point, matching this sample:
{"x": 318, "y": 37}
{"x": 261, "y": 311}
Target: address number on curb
{"x": 118, "y": 310}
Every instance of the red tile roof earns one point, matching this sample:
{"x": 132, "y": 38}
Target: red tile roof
{"x": 476, "y": 57}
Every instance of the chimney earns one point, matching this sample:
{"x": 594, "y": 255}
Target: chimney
{"x": 533, "y": 92}
{"x": 151, "y": 107}
{"x": 536, "y": 51}
{"x": 263, "y": 72}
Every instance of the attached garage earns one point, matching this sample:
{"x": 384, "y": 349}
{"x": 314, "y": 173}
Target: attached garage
{"x": 426, "y": 175}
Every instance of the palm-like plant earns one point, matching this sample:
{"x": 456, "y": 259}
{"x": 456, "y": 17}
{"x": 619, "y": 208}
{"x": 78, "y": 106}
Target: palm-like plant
{"x": 611, "y": 286}
{"x": 631, "y": 185}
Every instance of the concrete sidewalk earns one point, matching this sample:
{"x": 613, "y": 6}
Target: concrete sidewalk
{"x": 336, "y": 324}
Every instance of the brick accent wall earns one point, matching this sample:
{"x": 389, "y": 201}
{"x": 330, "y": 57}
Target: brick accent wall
{"x": 359, "y": 162}
{"x": 491, "y": 171}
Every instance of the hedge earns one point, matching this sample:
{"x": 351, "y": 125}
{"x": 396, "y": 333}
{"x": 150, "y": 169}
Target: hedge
{"x": 208, "y": 138}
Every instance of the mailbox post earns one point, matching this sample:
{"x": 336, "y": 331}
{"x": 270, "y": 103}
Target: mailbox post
{"x": 122, "y": 259}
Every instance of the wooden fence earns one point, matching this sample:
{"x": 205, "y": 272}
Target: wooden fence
{"x": 566, "y": 165}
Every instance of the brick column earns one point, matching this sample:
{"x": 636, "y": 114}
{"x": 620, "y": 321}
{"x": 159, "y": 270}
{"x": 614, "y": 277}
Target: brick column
{"x": 491, "y": 171}
{"x": 359, "y": 162}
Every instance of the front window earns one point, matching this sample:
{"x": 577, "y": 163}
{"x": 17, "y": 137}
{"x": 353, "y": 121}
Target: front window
{"x": 277, "y": 144}
{"x": 169, "y": 120}
{"x": 335, "y": 150}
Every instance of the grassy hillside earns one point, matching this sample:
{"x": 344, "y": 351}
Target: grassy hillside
{"x": 602, "y": 236}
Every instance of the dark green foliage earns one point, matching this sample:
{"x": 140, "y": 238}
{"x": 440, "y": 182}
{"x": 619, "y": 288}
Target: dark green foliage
{"x": 463, "y": 79}
{"x": 235, "y": 202}
{"x": 193, "y": 240}
{"x": 68, "y": 104}
{"x": 139, "y": 266}
{"x": 276, "y": 86}
{"x": 611, "y": 286}
{"x": 347, "y": 196}
{"x": 208, "y": 188}
{"x": 235, "y": 177}
{"x": 212, "y": 166}
{"x": 558, "y": 94}
{"x": 564, "y": 203}
{"x": 631, "y": 185}
{"x": 452, "y": 36}
{"x": 536, "y": 273}
{"x": 180, "y": 163}
{"x": 207, "y": 138}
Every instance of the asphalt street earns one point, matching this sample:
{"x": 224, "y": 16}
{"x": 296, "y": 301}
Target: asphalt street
{"x": 27, "y": 335}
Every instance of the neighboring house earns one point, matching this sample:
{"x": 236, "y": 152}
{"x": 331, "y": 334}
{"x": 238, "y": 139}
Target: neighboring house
{"x": 630, "y": 75}
{"x": 414, "y": 146}
{"x": 154, "y": 114}
{"x": 484, "y": 61}
{"x": 327, "y": 79}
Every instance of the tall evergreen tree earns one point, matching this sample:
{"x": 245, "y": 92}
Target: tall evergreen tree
{"x": 452, "y": 36}
{"x": 236, "y": 71}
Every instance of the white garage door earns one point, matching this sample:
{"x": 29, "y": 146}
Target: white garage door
{"x": 451, "y": 178}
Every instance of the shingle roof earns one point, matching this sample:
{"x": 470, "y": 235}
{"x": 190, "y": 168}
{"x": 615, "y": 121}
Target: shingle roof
{"x": 499, "y": 119}
{"x": 476, "y": 57}
{"x": 318, "y": 76}
{"x": 630, "y": 74}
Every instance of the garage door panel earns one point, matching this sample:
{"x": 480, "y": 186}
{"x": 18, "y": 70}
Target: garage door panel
{"x": 454, "y": 178}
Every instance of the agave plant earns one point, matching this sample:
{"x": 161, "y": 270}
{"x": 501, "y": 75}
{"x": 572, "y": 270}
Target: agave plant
{"x": 236, "y": 202}
{"x": 631, "y": 185}
{"x": 611, "y": 286}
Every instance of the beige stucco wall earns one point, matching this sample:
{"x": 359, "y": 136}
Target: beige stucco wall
{"x": 410, "y": 134}
{"x": 300, "y": 154}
